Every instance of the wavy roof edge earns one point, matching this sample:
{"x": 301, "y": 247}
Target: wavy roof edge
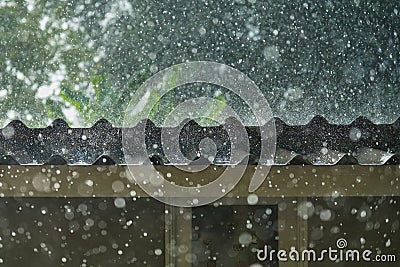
{"x": 318, "y": 119}
{"x": 315, "y": 143}
{"x": 295, "y": 160}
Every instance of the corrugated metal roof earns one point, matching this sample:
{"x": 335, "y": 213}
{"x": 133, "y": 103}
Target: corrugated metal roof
{"x": 316, "y": 143}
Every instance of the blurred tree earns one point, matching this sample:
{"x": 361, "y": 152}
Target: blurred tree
{"x": 41, "y": 46}
{"x": 74, "y": 58}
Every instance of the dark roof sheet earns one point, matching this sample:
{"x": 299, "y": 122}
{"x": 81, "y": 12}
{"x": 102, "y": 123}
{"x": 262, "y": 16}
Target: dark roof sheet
{"x": 316, "y": 143}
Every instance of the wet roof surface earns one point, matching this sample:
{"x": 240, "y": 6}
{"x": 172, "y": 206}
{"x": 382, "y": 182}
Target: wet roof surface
{"x": 316, "y": 143}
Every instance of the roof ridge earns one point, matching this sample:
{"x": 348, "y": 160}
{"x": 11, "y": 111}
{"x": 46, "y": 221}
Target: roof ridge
{"x": 102, "y": 122}
{"x": 318, "y": 140}
{"x": 296, "y": 160}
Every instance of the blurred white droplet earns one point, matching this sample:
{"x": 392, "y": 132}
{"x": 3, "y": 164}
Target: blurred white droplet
{"x": 325, "y": 215}
{"x": 271, "y": 53}
{"x": 252, "y": 199}
{"x": 119, "y": 202}
{"x": 8, "y": 132}
{"x": 117, "y": 186}
{"x": 355, "y": 134}
{"x": 293, "y": 93}
{"x": 245, "y": 238}
{"x": 305, "y": 210}
{"x": 202, "y": 30}
{"x": 41, "y": 183}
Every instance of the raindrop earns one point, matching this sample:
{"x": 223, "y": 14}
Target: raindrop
{"x": 8, "y": 132}
{"x": 119, "y": 203}
{"x": 191, "y": 258}
{"x": 305, "y": 210}
{"x": 41, "y": 183}
{"x": 355, "y": 134}
{"x": 158, "y": 252}
{"x": 293, "y": 93}
{"x": 202, "y": 30}
{"x": 252, "y": 199}
{"x": 69, "y": 215}
{"x": 364, "y": 213}
{"x": 245, "y": 238}
{"x": 82, "y": 207}
{"x": 325, "y": 215}
{"x": 271, "y": 53}
{"x": 89, "y": 222}
{"x": 317, "y": 233}
{"x": 152, "y": 56}
{"x": 117, "y": 186}
{"x": 44, "y": 210}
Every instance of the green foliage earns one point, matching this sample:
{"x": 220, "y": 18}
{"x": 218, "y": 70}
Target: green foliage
{"x": 106, "y": 49}
{"x": 211, "y": 112}
{"x": 53, "y": 109}
{"x": 31, "y": 52}
{"x": 107, "y": 101}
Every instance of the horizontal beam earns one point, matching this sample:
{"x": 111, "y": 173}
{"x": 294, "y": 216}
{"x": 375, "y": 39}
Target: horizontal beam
{"x": 281, "y": 181}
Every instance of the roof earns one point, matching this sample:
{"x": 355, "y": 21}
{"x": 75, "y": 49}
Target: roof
{"x": 315, "y": 143}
